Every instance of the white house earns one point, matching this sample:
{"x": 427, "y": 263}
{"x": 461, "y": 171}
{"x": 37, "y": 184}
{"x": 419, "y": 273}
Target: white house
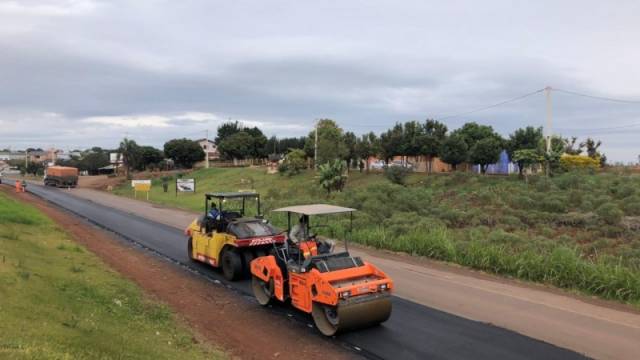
{"x": 209, "y": 146}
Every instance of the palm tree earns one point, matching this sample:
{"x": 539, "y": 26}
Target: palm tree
{"x": 128, "y": 152}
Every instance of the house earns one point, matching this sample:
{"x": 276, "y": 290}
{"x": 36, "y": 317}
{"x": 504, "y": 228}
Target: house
{"x": 38, "y": 156}
{"x": 12, "y": 155}
{"x": 209, "y": 146}
{"x": 419, "y": 163}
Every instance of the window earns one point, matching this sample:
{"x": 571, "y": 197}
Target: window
{"x": 204, "y": 146}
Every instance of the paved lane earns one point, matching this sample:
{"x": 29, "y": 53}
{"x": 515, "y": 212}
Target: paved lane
{"x": 413, "y": 332}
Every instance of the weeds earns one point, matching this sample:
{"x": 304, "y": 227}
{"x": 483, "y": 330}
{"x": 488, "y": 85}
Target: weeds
{"x": 563, "y": 230}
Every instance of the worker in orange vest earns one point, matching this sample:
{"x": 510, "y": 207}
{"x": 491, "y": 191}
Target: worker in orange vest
{"x": 18, "y": 186}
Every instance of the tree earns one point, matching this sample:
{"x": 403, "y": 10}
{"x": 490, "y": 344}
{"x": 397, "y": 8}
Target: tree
{"x": 569, "y": 146}
{"x": 392, "y": 142}
{"x": 526, "y": 158}
{"x": 592, "y": 147}
{"x": 227, "y": 129}
{"x": 454, "y": 150}
{"x": 35, "y": 168}
{"x": 237, "y": 146}
{"x": 332, "y": 175}
{"x": 367, "y": 146}
{"x": 294, "y": 162}
{"x": 350, "y": 146}
{"x": 93, "y": 161}
{"x": 486, "y": 151}
{"x": 149, "y": 156}
{"x": 331, "y": 144}
{"x": 523, "y": 139}
{"x": 412, "y": 134}
{"x": 130, "y": 154}
{"x": 184, "y": 152}
{"x": 432, "y": 138}
{"x": 284, "y": 145}
{"x": 552, "y": 157}
{"x": 472, "y": 133}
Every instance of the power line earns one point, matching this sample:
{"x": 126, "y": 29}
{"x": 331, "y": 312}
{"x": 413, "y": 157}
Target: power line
{"x": 491, "y": 106}
{"x": 603, "y": 128}
{"x": 597, "y": 97}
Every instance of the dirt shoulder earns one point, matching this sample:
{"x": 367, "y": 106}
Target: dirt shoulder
{"x": 217, "y": 314}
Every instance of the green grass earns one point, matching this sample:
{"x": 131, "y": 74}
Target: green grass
{"x": 573, "y": 231}
{"x": 58, "y": 301}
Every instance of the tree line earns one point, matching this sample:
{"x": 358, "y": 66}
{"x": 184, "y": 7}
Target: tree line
{"x": 471, "y": 144}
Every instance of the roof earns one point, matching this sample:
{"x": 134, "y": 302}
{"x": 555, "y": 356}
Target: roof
{"x": 315, "y": 209}
{"x": 209, "y": 140}
{"x": 238, "y": 194}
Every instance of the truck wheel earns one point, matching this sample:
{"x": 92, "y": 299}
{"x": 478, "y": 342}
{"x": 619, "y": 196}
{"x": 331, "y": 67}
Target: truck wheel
{"x": 231, "y": 265}
{"x": 190, "y": 249}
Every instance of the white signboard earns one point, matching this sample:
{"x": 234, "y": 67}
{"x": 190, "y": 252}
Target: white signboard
{"x": 134, "y": 182}
{"x": 186, "y": 185}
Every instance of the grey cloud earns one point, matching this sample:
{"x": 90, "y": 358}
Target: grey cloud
{"x": 390, "y": 63}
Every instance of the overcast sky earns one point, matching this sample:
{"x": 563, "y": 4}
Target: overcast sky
{"x": 76, "y": 74}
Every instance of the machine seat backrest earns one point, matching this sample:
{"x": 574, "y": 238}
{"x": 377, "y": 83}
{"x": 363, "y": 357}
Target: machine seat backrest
{"x": 336, "y": 262}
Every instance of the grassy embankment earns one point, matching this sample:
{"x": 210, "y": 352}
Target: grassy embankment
{"x": 58, "y": 301}
{"x": 575, "y": 231}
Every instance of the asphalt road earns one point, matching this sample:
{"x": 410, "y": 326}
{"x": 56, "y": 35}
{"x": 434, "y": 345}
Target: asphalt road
{"x": 413, "y": 332}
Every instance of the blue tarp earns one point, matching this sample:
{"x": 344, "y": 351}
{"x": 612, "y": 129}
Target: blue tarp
{"x": 504, "y": 166}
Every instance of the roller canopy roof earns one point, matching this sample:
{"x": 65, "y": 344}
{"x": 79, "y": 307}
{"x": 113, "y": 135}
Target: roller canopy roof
{"x": 315, "y": 209}
{"x": 238, "y": 194}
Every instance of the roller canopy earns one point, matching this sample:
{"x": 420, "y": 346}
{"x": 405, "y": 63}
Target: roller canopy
{"x": 239, "y": 194}
{"x": 315, "y": 209}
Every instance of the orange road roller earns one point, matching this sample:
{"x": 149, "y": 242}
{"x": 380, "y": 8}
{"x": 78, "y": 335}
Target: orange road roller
{"x": 340, "y": 291}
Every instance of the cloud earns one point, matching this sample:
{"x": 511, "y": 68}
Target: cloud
{"x": 48, "y": 8}
{"x": 134, "y": 121}
{"x": 107, "y": 69}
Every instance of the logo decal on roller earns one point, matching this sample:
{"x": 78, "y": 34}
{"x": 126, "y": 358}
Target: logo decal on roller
{"x": 262, "y": 241}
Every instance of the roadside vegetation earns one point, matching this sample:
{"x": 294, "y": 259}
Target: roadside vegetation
{"x": 59, "y": 301}
{"x": 577, "y": 230}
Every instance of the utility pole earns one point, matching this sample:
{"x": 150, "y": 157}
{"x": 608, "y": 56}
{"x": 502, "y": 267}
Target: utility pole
{"x": 315, "y": 148}
{"x": 547, "y": 92}
{"x": 206, "y": 149}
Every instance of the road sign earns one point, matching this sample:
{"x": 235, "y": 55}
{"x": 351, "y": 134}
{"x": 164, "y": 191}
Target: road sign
{"x": 136, "y": 182}
{"x": 141, "y": 185}
{"x": 186, "y": 185}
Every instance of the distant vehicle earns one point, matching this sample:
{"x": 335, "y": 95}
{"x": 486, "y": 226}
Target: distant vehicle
{"x": 377, "y": 165}
{"x": 61, "y": 176}
{"x": 400, "y": 163}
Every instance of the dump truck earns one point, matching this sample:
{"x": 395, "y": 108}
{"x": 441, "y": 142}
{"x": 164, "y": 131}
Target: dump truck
{"x": 227, "y": 236}
{"x": 61, "y": 176}
{"x": 340, "y": 291}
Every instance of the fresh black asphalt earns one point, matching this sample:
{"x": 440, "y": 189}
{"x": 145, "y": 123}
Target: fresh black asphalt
{"x": 413, "y": 332}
